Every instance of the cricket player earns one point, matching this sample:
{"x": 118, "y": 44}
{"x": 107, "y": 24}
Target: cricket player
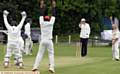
{"x": 21, "y": 43}
{"x": 84, "y": 36}
{"x": 13, "y": 44}
{"x": 115, "y": 42}
{"x": 28, "y": 40}
{"x": 46, "y": 24}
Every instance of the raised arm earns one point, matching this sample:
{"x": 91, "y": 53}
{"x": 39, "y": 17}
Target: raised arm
{"x": 52, "y": 20}
{"x": 80, "y": 24}
{"x": 5, "y": 14}
{"x": 24, "y": 15}
{"x": 41, "y": 19}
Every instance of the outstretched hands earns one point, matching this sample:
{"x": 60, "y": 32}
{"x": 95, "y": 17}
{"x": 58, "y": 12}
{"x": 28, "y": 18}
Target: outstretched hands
{"x": 23, "y": 13}
{"x": 5, "y": 12}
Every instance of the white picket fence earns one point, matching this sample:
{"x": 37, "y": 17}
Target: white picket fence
{"x": 57, "y": 39}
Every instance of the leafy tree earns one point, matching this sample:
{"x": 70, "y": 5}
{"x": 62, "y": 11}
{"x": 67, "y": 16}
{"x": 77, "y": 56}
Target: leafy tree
{"x": 69, "y": 13}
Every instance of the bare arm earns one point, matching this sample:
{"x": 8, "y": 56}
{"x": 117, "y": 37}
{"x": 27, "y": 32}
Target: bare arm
{"x": 5, "y": 14}
{"x": 24, "y": 15}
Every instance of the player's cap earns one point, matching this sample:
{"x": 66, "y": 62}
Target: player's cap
{"x": 47, "y": 17}
{"x": 83, "y": 20}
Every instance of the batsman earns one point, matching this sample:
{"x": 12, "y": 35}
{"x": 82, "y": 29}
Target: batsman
{"x": 46, "y": 25}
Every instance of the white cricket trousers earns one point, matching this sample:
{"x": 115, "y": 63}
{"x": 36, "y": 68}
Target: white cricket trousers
{"x": 115, "y": 50}
{"x": 45, "y": 44}
{"x": 21, "y": 42}
{"x": 13, "y": 48}
{"x": 28, "y": 45}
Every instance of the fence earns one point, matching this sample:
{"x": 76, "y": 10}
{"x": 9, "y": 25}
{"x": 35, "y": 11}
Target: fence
{"x": 93, "y": 41}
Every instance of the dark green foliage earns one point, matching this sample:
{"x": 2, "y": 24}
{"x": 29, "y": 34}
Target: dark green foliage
{"x": 69, "y": 13}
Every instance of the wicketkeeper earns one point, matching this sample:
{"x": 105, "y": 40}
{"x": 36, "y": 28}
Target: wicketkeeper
{"x": 13, "y": 44}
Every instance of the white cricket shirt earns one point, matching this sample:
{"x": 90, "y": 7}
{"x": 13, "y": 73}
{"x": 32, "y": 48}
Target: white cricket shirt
{"x": 85, "y": 30}
{"x": 46, "y": 28}
{"x": 27, "y": 29}
{"x": 13, "y": 31}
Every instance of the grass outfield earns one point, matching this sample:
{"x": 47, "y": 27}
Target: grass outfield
{"x": 98, "y": 61}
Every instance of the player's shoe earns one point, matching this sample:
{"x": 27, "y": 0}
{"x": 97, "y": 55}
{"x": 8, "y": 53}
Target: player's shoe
{"x": 35, "y": 69}
{"x": 21, "y": 66}
{"x": 52, "y": 70}
{"x": 16, "y": 63}
{"x": 6, "y": 64}
{"x": 117, "y": 59}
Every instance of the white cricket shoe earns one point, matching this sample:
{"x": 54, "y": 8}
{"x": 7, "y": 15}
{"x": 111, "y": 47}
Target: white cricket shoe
{"x": 52, "y": 70}
{"x": 21, "y": 65}
{"x": 34, "y": 69}
{"x": 6, "y": 64}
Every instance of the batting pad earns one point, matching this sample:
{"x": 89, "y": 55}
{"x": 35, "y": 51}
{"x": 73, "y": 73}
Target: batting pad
{"x": 19, "y": 72}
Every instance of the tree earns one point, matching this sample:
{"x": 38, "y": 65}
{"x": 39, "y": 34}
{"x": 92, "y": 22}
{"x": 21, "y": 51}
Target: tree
{"x": 69, "y": 13}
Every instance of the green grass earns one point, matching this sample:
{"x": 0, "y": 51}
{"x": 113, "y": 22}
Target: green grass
{"x": 98, "y": 61}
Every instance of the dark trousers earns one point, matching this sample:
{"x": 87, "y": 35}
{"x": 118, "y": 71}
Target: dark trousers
{"x": 84, "y": 42}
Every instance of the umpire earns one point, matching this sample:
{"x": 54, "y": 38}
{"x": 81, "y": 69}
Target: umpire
{"x": 84, "y": 36}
